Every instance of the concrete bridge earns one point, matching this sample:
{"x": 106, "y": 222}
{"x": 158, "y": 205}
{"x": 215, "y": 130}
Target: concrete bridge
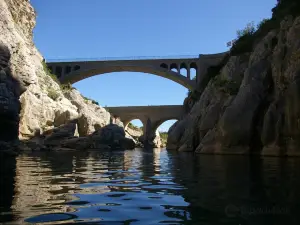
{"x": 150, "y": 116}
{"x": 71, "y": 71}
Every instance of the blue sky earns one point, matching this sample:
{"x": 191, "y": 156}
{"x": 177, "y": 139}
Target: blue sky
{"x": 115, "y": 28}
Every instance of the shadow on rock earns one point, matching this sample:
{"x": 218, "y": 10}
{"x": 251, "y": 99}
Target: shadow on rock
{"x": 9, "y": 99}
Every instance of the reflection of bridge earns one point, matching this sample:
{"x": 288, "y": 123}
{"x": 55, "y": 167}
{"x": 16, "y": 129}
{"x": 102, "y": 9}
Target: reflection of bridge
{"x": 71, "y": 71}
{"x": 151, "y": 116}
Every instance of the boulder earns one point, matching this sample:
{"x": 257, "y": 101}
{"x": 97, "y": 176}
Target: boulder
{"x": 61, "y": 133}
{"x": 91, "y": 116}
{"x": 113, "y": 136}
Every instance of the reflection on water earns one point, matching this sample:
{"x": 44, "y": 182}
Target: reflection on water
{"x": 149, "y": 187}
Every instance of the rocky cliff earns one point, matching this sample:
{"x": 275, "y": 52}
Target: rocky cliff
{"x": 250, "y": 103}
{"x": 44, "y": 103}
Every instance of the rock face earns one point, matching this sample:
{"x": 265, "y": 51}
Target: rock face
{"x": 134, "y": 134}
{"x": 9, "y": 99}
{"x": 91, "y": 116}
{"x": 44, "y": 105}
{"x": 252, "y": 105}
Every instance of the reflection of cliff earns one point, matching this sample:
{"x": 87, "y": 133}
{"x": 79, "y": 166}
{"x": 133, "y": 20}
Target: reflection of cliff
{"x": 7, "y": 174}
{"x": 213, "y": 183}
{"x": 45, "y": 183}
{"x": 34, "y": 187}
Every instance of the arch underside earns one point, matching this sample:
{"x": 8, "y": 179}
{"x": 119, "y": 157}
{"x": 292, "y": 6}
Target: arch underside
{"x": 159, "y": 122}
{"x": 155, "y": 123}
{"x": 162, "y": 72}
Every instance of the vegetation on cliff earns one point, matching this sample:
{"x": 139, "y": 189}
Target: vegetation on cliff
{"x": 251, "y": 35}
{"x": 163, "y": 138}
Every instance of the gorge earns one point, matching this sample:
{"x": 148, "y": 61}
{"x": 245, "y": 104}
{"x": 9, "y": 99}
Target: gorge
{"x": 65, "y": 159}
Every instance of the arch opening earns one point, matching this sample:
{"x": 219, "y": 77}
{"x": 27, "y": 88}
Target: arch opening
{"x": 134, "y": 128}
{"x": 183, "y": 69}
{"x": 193, "y": 70}
{"x": 174, "y": 68}
{"x": 76, "y": 67}
{"x": 163, "y": 129}
{"x": 58, "y": 71}
{"x": 163, "y": 65}
{"x": 68, "y": 69}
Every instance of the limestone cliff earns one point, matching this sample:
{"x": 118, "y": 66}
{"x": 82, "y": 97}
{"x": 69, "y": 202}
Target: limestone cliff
{"x": 44, "y": 104}
{"x": 251, "y": 102}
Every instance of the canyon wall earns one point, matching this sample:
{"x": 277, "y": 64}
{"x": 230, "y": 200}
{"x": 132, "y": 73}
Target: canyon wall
{"x": 45, "y": 104}
{"x": 251, "y": 102}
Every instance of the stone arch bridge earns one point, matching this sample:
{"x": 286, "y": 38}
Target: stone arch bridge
{"x": 71, "y": 71}
{"x": 150, "y": 116}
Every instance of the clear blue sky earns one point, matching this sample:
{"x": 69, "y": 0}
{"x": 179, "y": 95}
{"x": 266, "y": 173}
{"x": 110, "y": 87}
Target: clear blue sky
{"x": 117, "y": 28}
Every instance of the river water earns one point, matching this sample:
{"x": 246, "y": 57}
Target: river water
{"x": 148, "y": 187}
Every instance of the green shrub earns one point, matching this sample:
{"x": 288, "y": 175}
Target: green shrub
{"x": 66, "y": 87}
{"x": 163, "y": 135}
{"x": 262, "y": 23}
{"x": 48, "y": 72}
{"x": 52, "y": 93}
{"x": 93, "y": 101}
{"x": 243, "y": 44}
{"x": 248, "y": 30}
{"x": 63, "y": 87}
{"x": 249, "y": 36}
{"x": 133, "y": 127}
{"x": 227, "y": 86}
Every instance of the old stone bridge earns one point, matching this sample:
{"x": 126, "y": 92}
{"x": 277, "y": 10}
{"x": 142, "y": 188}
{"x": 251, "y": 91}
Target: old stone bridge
{"x": 71, "y": 71}
{"x": 150, "y": 116}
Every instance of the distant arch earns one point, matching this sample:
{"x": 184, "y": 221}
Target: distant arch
{"x": 163, "y": 65}
{"x": 58, "y": 71}
{"x": 174, "y": 68}
{"x": 183, "y": 66}
{"x": 76, "y": 67}
{"x": 194, "y": 65}
{"x": 183, "y": 69}
{"x": 193, "y": 70}
{"x": 68, "y": 69}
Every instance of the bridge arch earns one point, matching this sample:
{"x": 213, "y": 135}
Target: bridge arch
{"x": 164, "y": 65}
{"x": 158, "y": 123}
{"x": 132, "y": 122}
{"x": 80, "y": 74}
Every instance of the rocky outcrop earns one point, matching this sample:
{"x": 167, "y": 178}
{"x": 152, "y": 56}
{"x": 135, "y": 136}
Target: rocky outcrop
{"x": 90, "y": 116}
{"x": 113, "y": 136}
{"x": 252, "y": 105}
{"x": 44, "y": 105}
{"x": 109, "y": 137}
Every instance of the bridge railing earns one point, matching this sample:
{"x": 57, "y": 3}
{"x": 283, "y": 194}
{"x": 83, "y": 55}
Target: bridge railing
{"x": 121, "y": 58}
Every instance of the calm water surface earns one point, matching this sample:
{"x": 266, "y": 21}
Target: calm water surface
{"x": 148, "y": 187}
